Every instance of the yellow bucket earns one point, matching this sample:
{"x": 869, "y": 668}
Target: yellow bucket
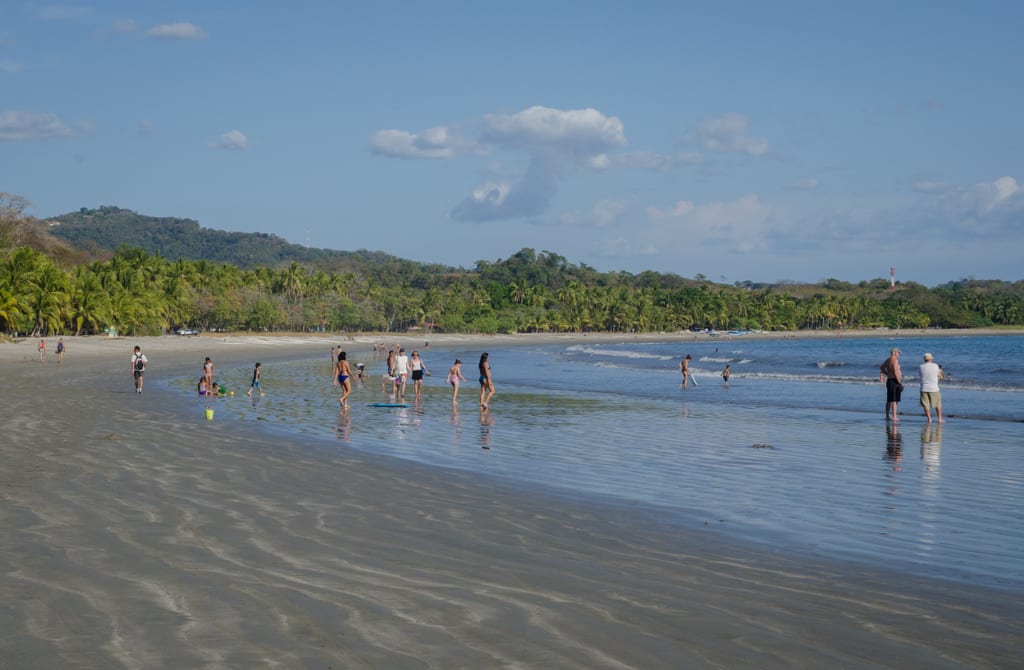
{"x": 209, "y": 414}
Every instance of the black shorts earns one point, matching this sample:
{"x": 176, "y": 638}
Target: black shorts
{"x": 417, "y": 375}
{"x": 893, "y": 389}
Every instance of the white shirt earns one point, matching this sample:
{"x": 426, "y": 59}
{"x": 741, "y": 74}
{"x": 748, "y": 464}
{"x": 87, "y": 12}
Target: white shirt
{"x": 929, "y": 374}
{"x": 401, "y": 364}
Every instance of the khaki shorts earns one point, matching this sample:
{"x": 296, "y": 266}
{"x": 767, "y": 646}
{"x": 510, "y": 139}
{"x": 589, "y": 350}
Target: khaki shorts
{"x": 931, "y": 399}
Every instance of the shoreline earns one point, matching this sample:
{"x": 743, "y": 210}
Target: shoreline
{"x": 100, "y": 344}
{"x": 138, "y": 537}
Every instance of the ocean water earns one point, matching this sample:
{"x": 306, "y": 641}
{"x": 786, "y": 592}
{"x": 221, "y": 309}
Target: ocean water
{"x": 794, "y": 454}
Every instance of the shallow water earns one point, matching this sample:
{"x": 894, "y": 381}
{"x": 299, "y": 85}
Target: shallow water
{"x": 793, "y": 453}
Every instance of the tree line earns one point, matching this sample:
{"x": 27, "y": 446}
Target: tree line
{"x": 47, "y": 289}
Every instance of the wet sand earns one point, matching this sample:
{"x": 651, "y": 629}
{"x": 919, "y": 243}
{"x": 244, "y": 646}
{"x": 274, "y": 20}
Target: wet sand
{"x": 139, "y": 536}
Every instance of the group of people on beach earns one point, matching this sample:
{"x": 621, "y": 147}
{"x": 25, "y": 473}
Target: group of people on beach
{"x": 929, "y": 374}
{"x": 60, "y": 350}
{"x": 400, "y": 368}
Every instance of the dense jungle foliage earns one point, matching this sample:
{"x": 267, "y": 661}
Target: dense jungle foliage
{"x": 49, "y": 286}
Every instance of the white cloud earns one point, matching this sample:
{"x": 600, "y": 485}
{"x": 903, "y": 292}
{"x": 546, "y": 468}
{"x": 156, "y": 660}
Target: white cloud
{"x": 177, "y": 31}
{"x": 728, "y": 133}
{"x": 990, "y": 196}
{"x": 234, "y": 140}
{"x": 437, "y": 142}
{"x": 20, "y": 125}
{"x": 553, "y": 138}
{"x": 10, "y": 67}
{"x": 578, "y": 132}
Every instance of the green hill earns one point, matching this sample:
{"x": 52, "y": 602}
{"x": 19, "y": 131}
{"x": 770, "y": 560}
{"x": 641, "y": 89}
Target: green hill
{"x": 107, "y": 228}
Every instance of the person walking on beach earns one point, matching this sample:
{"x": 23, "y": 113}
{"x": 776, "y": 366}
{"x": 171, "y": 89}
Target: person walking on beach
{"x": 60, "y": 351}
{"x": 256, "y": 383}
{"x": 930, "y": 374}
{"x": 684, "y": 368}
{"x": 401, "y": 372}
{"x": 208, "y": 371}
{"x": 454, "y": 376}
{"x": 139, "y": 362}
{"x": 486, "y": 381}
{"x": 889, "y": 372}
{"x": 389, "y": 376}
{"x": 418, "y": 369}
{"x": 42, "y": 350}
{"x": 342, "y": 373}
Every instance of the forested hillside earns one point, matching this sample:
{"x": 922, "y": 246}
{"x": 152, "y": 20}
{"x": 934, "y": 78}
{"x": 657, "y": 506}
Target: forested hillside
{"x": 144, "y": 287}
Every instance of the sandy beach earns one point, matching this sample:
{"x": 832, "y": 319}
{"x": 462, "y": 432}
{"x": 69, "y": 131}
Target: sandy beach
{"x": 138, "y": 536}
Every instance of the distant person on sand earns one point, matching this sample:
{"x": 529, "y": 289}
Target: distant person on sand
{"x": 418, "y": 369}
{"x": 454, "y": 377}
{"x": 889, "y": 372}
{"x": 256, "y": 382}
{"x": 930, "y": 374}
{"x": 139, "y": 362}
{"x": 342, "y": 373}
{"x": 42, "y": 350}
{"x": 684, "y": 368}
{"x": 726, "y": 373}
{"x": 486, "y": 381}
{"x": 208, "y": 371}
{"x": 60, "y": 351}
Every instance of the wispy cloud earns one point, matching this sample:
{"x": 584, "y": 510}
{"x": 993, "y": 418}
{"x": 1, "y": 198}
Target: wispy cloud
{"x": 233, "y": 140}
{"x": 177, "y": 31}
{"x": 23, "y": 125}
{"x": 728, "y": 133}
{"x": 437, "y": 142}
{"x": 10, "y": 67}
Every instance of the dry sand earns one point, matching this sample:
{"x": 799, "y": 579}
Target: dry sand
{"x": 135, "y": 535}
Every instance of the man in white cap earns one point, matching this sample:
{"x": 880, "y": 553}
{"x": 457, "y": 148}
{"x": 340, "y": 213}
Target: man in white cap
{"x": 930, "y": 375}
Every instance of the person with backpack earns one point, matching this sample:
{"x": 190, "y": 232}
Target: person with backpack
{"x": 138, "y": 367}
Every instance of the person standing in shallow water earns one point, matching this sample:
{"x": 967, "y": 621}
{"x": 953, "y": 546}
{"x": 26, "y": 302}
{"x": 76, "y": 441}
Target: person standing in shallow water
{"x": 930, "y": 373}
{"x": 486, "y": 381}
{"x": 342, "y": 374}
{"x": 454, "y": 376}
{"x": 684, "y": 369}
{"x": 889, "y": 372}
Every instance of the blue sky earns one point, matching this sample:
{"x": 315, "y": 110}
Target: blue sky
{"x": 738, "y": 140}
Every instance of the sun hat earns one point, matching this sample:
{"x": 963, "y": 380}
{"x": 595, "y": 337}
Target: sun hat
{"x": 927, "y": 357}
{"x": 895, "y": 350}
